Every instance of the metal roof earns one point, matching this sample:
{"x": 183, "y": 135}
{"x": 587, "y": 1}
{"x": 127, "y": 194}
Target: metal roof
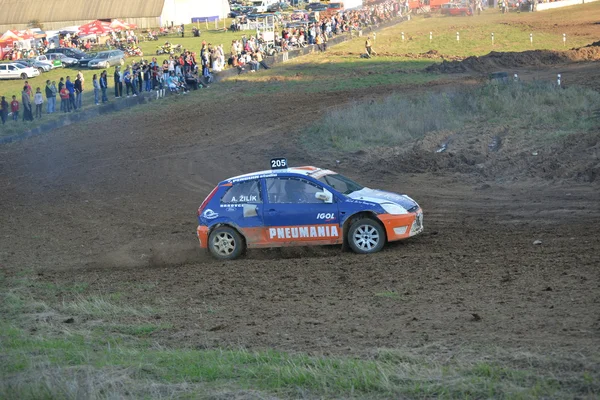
{"x": 23, "y": 11}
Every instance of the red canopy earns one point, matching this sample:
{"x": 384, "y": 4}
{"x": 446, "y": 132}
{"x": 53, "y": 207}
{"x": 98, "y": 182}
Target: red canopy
{"x": 96, "y": 27}
{"x": 10, "y": 37}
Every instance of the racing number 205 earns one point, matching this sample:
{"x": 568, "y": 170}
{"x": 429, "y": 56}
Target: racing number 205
{"x": 278, "y": 163}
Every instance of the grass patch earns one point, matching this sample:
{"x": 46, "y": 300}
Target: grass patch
{"x": 98, "y": 306}
{"x": 141, "y": 330}
{"x": 392, "y": 373}
{"x": 388, "y": 295}
{"x": 536, "y": 107}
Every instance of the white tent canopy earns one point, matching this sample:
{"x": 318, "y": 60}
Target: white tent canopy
{"x": 185, "y": 11}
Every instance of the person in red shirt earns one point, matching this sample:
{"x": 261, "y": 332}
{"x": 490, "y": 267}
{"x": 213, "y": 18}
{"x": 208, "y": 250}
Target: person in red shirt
{"x": 14, "y": 108}
{"x": 65, "y": 104}
{"x": 28, "y": 90}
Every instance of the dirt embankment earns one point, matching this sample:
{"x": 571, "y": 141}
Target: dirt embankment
{"x": 531, "y": 58}
{"x": 492, "y": 154}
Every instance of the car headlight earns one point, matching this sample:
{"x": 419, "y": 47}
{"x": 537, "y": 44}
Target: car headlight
{"x": 394, "y": 209}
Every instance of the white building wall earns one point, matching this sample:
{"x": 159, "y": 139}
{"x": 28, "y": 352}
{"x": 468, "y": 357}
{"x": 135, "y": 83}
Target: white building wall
{"x": 182, "y": 11}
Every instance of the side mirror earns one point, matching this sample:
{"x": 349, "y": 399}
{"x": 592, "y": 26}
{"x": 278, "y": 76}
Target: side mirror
{"x": 325, "y": 196}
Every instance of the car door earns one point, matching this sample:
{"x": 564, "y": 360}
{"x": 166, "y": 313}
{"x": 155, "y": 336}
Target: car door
{"x": 296, "y": 212}
{"x": 13, "y": 72}
{"x": 242, "y": 206}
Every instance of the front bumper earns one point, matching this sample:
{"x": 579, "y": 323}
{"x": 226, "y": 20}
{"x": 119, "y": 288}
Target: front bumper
{"x": 402, "y": 226}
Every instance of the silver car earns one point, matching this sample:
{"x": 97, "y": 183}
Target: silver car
{"x": 106, "y": 59}
{"x": 66, "y": 60}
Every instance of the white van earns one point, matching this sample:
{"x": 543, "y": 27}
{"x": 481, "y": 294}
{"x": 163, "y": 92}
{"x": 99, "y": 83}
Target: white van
{"x": 262, "y": 5}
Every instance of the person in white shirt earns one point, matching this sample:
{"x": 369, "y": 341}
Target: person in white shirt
{"x": 38, "y": 100}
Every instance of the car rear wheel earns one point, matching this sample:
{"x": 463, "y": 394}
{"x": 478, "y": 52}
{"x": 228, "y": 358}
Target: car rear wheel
{"x": 366, "y": 236}
{"x": 225, "y": 243}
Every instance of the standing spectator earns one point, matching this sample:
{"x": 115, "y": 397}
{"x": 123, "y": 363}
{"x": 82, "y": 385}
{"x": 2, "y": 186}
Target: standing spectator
{"x": 78, "y": 91}
{"x": 368, "y": 47}
{"x": 51, "y": 96}
{"x": 148, "y": 77}
{"x": 118, "y": 82}
{"x": 103, "y": 86}
{"x": 135, "y": 81}
{"x": 61, "y": 84}
{"x": 3, "y": 110}
{"x": 71, "y": 88}
{"x": 182, "y": 30}
{"x": 14, "y": 108}
{"x": 127, "y": 79}
{"x": 28, "y": 89}
{"x": 38, "y": 99}
{"x": 96, "y": 86}
{"x": 26, "y": 101}
{"x": 65, "y": 104}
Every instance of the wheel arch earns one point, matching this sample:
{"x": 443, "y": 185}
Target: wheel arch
{"x": 228, "y": 225}
{"x": 356, "y": 216}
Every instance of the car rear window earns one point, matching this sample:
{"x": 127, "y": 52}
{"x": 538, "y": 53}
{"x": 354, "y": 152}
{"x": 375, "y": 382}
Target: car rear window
{"x": 243, "y": 192}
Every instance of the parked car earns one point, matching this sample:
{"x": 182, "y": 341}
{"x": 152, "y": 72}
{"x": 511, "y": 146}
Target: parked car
{"x": 17, "y": 71}
{"x": 39, "y": 65}
{"x": 106, "y": 59}
{"x": 44, "y": 59}
{"x": 278, "y": 7}
{"x": 302, "y": 206}
{"x": 65, "y": 60}
{"x": 69, "y": 52}
{"x": 316, "y": 7}
{"x": 455, "y": 9}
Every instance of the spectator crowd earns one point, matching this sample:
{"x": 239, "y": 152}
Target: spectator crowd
{"x": 180, "y": 73}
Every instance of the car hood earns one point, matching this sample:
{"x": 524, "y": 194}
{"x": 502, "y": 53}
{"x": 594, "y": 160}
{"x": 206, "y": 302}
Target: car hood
{"x": 381, "y": 196}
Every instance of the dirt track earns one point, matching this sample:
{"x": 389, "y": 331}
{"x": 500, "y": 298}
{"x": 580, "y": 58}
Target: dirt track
{"x": 116, "y": 208}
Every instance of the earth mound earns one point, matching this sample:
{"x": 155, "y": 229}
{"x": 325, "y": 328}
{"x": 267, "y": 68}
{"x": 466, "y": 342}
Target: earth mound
{"x": 530, "y": 58}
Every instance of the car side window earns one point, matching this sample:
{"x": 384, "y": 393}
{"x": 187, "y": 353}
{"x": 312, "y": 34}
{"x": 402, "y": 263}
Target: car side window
{"x": 243, "y": 192}
{"x": 290, "y": 190}
{"x": 11, "y": 68}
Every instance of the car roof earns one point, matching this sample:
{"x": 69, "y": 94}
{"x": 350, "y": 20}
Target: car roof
{"x": 299, "y": 171}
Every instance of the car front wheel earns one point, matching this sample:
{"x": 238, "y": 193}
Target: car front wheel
{"x": 225, "y": 243}
{"x": 23, "y": 76}
{"x": 366, "y": 236}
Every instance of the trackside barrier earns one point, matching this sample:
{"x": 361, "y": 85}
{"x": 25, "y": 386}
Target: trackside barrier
{"x": 145, "y": 97}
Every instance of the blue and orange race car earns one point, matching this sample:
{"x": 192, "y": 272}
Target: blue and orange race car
{"x": 302, "y": 206}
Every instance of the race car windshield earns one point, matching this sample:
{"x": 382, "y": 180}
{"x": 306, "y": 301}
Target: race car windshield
{"x": 341, "y": 183}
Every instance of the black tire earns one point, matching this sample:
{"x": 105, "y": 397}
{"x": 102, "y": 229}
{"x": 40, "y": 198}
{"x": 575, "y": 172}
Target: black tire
{"x": 23, "y": 76}
{"x": 225, "y": 243}
{"x": 366, "y": 236}
{"x": 41, "y": 70}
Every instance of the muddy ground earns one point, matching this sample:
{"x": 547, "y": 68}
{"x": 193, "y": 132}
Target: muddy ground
{"x": 113, "y": 205}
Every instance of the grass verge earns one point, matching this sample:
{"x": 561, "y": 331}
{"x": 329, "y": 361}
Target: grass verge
{"x": 536, "y": 108}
